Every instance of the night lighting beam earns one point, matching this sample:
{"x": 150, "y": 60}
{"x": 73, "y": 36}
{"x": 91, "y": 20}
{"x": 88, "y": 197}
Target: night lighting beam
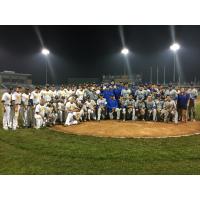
{"x": 125, "y": 51}
{"x": 174, "y": 48}
{"x": 46, "y": 52}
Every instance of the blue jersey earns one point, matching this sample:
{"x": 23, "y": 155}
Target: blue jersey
{"x": 183, "y": 100}
{"x": 107, "y": 94}
{"x": 112, "y": 104}
{"x": 117, "y": 92}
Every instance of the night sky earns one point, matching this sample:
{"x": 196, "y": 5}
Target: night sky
{"x": 91, "y": 51}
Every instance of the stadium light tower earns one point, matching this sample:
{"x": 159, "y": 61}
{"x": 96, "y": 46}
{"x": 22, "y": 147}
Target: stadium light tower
{"x": 125, "y": 52}
{"x": 174, "y": 48}
{"x": 46, "y": 52}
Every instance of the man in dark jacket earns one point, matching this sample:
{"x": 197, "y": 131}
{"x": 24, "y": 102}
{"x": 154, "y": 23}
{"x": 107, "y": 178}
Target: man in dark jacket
{"x": 182, "y": 104}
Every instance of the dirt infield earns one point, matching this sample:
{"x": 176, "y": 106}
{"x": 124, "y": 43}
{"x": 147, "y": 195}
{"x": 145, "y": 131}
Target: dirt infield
{"x": 130, "y": 129}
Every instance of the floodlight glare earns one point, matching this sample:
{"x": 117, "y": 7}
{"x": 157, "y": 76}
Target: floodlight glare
{"x": 125, "y": 51}
{"x": 45, "y": 52}
{"x": 175, "y": 47}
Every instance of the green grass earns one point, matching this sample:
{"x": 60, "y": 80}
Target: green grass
{"x": 29, "y": 151}
{"x": 49, "y": 152}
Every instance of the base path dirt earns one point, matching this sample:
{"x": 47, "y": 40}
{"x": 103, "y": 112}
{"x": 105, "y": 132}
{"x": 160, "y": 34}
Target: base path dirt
{"x": 129, "y": 129}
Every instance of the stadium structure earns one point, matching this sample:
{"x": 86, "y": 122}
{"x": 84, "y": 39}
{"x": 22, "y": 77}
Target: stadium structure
{"x": 12, "y": 79}
{"x": 134, "y": 79}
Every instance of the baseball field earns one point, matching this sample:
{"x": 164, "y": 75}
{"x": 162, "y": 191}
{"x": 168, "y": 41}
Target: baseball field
{"x": 45, "y": 151}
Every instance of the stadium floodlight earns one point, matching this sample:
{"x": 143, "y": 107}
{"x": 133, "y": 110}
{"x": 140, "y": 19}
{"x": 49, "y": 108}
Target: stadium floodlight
{"x": 175, "y": 47}
{"x": 45, "y": 52}
{"x": 125, "y": 51}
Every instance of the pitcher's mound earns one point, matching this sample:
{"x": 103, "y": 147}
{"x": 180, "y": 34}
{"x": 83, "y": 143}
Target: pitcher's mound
{"x": 131, "y": 129}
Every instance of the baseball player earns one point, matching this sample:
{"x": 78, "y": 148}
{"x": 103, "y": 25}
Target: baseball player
{"x": 47, "y": 94}
{"x": 91, "y": 109}
{"x": 140, "y": 93}
{"x": 6, "y": 101}
{"x": 53, "y": 91}
{"x": 125, "y": 91}
{"x": 101, "y": 107}
{"x": 140, "y": 108}
{"x": 17, "y": 100}
{"x": 169, "y": 110}
{"x": 159, "y": 107}
{"x": 80, "y": 93}
{"x": 35, "y": 96}
{"x": 150, "y": 108}
{"x": 113, "y": 107}
{"x": 172, "y": 93}
{"x": 122, "y": 105}
{"x": 40, "y": 111}
{"x": 50, "y": 114}
{"x": 130, "y": 107}
{"x": 62, "y": 92}
{"x": 191, "y": 108}
{"x": 72, "y": 112}
{"x": 25, "y": 106}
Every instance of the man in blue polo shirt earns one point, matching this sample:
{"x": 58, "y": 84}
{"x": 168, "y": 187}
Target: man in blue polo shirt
{"x": 113, "y": 107}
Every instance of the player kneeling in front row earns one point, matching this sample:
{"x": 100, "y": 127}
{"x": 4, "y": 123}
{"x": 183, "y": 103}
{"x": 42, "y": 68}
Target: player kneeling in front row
{"x": 113, "y": 108}
{"x": 72, "y": 118}
{"x": 150, "y": 109}
{"x": 101, "y": 108}
{"x": 140, "y": 108}
{"x": 91, "y": 109}
{"x": 51, "y": 114}
{"x": 122, "y": 103}
{"x": 130, "y": 107}
{"x": 159, "y": 107}
{"x": 169, "y": 110}
{"x": 73, "y": 114}
{"x": 40, "y": 120}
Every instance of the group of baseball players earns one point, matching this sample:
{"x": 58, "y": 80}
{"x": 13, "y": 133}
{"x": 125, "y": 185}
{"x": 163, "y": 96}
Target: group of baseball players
{"x": 72, "y": 104}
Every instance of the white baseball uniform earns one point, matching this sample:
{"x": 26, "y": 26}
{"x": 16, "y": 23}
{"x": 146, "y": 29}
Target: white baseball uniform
{"x": 6, "y": 100}
{"x": 17, "y": 98}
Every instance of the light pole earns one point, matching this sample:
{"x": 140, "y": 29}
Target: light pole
{"x": 45, "y": 52}
{"x": 174, "y": 47}
{"x": 164, "y": 75}
{"x": 125, "y": 52}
